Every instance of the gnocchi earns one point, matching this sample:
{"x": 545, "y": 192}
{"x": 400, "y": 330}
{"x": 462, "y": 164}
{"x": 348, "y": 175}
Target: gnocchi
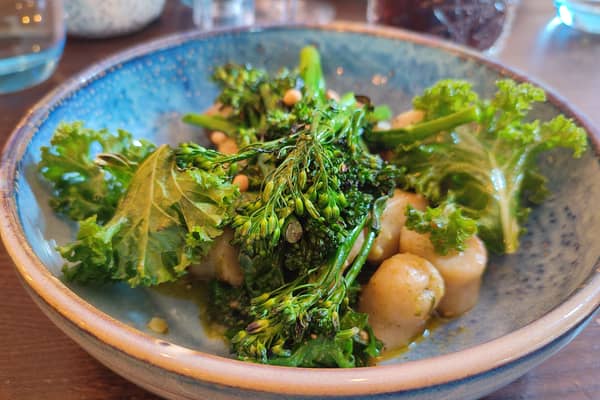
{"x": 461, "y": 271}
{"x": 222, "y": 262}
{"x": 392, "y": 221}
{"x": 400, "y": 297}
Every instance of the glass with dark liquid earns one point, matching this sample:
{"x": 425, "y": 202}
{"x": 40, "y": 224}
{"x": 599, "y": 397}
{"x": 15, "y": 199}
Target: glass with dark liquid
{"x": 475, "y": 23}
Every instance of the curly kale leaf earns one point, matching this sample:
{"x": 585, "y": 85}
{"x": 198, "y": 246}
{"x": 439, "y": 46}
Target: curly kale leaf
{"x": 448, "y": 229}
{"x": 82, "y": 187}
{"x": 489, "y": 165}
{"x": 444, "y": 98}
{"x": 166, "y": 220}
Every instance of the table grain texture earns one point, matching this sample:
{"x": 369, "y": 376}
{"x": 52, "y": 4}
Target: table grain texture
{"x": 37, "y": 361}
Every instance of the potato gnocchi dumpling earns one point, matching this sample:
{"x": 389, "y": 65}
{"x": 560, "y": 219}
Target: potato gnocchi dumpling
{"x": 400, "y": 297}
{"x": 461, "y": 271}
{"x": 222, "y": 262}
{"x": 392, "y": 221}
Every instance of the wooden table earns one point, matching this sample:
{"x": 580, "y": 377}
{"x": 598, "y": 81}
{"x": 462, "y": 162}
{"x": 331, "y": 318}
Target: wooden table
{"x": 37, "y": 361}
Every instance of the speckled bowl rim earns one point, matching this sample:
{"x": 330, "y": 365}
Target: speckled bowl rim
{"x": 247, "y": 376}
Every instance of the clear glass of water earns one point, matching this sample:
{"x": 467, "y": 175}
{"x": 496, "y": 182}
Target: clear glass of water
{"x": 293, "y": 11}
{"x": 209, "y": 14}
{"x": 580, "y": 14}
{"x": 32, "y": 37}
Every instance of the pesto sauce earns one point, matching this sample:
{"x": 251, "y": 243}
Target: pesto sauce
{"x": 432, "y": 324}
{"x": 197, "y": 292}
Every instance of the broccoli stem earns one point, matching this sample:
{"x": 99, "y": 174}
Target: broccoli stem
{"x": 391, "y": 138}
{"x": 311, "y": 72}
{"x": 200, "y": 156}
{"x": 344, "y": 250}
{"x": 360, "y": 259}
{"x": 211, "y": 122}
{"x": 283, "y": 311}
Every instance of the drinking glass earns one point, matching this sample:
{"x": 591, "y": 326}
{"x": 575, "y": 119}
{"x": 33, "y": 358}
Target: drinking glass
{"x": 580, "y": 14}
{"x": 294, "y": 11}
{"x": 209, "y": 14}
{"x": 32, "y": 37}
{"x": 477, "y": 23}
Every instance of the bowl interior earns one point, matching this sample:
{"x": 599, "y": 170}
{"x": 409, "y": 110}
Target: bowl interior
{"x": 147, "y": 95}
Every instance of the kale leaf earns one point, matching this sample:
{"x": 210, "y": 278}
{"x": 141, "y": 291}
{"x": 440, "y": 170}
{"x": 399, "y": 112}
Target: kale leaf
{"x": 486, "y": 161}
{"x": 166, "y": 220}
{"x": 81, "y": 187}
{"x": 447, "y": 227}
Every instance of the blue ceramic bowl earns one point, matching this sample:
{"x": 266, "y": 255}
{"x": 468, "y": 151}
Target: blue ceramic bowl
{"x": 532, "y": 303}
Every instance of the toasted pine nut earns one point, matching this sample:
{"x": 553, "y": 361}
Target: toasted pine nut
{"x": 387, "y": 155}
{"x": 332, "y": 95}
{"x": 407, "y": 118}
{"x": 213, "y": 109}
{"x": 158, "y": 325}
{"x": 228, "y": 146}
{"x": 242, "y": 181}
{"x": 218, "y": 137}
{"x": 291, "y": 97}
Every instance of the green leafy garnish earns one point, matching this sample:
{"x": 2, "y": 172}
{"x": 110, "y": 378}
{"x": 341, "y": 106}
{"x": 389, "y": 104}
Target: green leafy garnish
{"x": 444, "y": 98}
{"x": 488, "y": 165}
{"x": 81, "y": 187}
{"x": 166, "y": 220}
{"x": 448, "y": 229}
